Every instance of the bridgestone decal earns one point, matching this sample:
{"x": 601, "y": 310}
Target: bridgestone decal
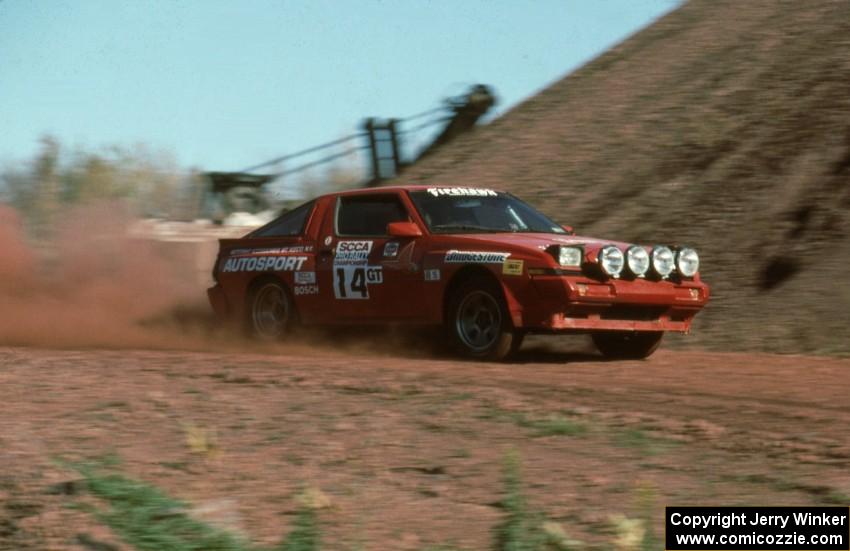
{"x": 475, "y": 257}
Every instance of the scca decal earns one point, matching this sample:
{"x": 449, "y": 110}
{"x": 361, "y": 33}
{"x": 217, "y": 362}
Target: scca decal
{"x": 253, "y": 264}
{"x": 352, "y": 252}
{"x": 475, "y": 257}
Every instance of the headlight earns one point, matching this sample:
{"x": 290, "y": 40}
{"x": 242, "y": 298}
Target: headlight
{"x": 663, "y": 261}
{"x": 610, "y": 258}
{"x": 569, "y": 256}
{"x": 637, "y": 260}
{"x": 687, "y": 261}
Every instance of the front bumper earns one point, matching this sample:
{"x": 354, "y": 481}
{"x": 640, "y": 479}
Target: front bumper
{"x": 578, "y": 303}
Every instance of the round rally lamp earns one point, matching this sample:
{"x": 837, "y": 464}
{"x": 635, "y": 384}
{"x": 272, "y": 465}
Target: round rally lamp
{"x": 611, "y": 260}
{"x": 637, "y": 260}
{"x": 663, "y": 261}
{"x": 687, "y": 261}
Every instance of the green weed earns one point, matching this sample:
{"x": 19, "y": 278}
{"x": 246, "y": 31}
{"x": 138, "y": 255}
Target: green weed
{"x": 148, "y": 519}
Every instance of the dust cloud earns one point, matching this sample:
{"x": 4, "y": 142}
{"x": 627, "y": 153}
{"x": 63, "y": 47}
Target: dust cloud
{"x": 93, "y": 285}
{"x": 96, "y": 284}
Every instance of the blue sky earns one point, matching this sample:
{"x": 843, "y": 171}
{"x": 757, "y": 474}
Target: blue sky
{"x": 224, "y": 85}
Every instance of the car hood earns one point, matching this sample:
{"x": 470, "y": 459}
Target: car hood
{"x": 537, "y": 241}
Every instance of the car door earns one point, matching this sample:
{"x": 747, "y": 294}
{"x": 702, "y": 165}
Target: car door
{"x": 373, "y": 275}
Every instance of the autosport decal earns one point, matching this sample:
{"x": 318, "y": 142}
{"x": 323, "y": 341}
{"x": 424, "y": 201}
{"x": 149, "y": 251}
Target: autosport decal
{"x": 432, "y": 275}
{"x": 352, "y": 252}
{"x": 259, "y": 264}
{"x": 461, "y": 191}
{"x": 475, "y": 257}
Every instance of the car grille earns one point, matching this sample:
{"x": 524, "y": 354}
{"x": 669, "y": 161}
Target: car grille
{"x": 630, "y": 312}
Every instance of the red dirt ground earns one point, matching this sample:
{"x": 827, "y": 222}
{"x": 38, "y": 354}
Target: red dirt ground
{"x": 409, "y": 452}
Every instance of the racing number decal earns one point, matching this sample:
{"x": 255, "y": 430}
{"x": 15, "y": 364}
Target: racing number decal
{"x": 352, "y": 274}
{"x": 352, "y": 282}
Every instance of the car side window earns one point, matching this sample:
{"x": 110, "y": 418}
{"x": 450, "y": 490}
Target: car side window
{"x": 368, "y": 215}
{"x": 289, "y": 224}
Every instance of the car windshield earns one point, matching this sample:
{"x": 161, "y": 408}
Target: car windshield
{"x": 470, "y": 210}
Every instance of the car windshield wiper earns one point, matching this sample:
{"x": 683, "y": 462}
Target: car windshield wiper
{"x": 466, "y": 227}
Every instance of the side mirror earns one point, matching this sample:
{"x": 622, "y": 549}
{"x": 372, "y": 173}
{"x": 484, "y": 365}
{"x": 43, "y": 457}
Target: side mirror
{"x": 569, "y": 229}
{"x": 403, "y": 229}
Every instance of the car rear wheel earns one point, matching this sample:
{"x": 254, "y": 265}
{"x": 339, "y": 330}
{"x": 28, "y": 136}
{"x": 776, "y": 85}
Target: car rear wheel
{"x": 478, "y": 322}
{"x": 627, "y": 344}
{"x": 270, "y": 313}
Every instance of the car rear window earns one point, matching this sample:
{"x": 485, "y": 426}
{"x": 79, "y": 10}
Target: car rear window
{"x": 368, "y": 214}
{"x": 288, "y": 224}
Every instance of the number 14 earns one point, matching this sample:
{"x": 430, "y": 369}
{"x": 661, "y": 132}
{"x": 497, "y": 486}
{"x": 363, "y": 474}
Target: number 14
{"x": 350, "y": 282}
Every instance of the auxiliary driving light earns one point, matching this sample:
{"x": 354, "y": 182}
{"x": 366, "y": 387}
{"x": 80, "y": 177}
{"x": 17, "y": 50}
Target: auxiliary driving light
{"x": 637, "y": 260}
{"x": 687, "y": 262}
{"x": 611, "y": 260}
{"x": 663, "y": 261}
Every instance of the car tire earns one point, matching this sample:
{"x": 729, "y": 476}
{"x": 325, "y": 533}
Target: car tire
{"x": 478, "y": 322}
{"x": 627, "y": 345}
{"x": 271, "y": 312}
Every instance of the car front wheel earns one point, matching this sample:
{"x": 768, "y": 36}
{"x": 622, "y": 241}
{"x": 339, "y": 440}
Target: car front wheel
{"x": 627, "y": 345}
{"x": 479, "y": 324}
{"x": 270, "y": 314}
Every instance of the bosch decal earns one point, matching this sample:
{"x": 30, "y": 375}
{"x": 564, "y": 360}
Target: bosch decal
{"x": 306, "y": 290}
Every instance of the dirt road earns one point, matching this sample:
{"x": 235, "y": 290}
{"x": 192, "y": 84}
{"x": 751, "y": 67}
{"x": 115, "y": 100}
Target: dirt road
{"x": 407, "y": 452}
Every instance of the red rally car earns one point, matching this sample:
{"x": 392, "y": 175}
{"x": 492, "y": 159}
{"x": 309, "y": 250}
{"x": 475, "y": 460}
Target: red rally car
{"x": 486, "y": 266}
